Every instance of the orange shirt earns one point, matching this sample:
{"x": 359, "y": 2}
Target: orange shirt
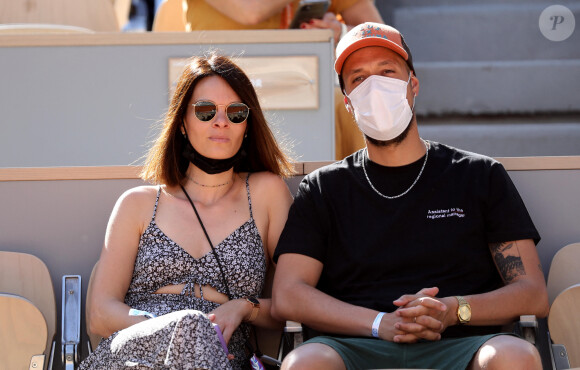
{"x": 202, "y": 16}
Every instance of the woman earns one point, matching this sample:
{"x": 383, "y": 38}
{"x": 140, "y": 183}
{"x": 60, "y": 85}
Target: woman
{"x": 189, "y": 274}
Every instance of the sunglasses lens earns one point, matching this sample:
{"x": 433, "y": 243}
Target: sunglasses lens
{"x": 237, "y": 112}
{"x": 205, "y": 110}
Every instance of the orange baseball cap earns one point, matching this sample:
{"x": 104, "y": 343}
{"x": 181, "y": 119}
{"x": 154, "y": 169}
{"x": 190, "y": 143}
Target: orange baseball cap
{"x": 371, "y": 34}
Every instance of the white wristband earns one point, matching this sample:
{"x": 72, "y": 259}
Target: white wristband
{"x": 376, "y": 324}
{"x": 135, "y": 312}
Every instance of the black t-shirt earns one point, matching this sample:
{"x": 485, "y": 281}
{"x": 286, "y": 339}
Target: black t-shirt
{"x": 374, "y": 249}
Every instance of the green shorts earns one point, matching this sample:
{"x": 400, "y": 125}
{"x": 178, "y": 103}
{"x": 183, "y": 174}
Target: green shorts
{"x": 369, "y": 353}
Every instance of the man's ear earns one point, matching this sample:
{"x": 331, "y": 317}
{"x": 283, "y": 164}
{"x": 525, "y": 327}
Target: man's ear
{"x": 414, "y": 84}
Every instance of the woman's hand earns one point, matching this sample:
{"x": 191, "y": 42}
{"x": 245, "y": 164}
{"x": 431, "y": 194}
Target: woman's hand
{"x": 229, "y": 316}
{"x": 211, "y": 318}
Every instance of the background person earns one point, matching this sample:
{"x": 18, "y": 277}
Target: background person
{"x": 274, "y": 14}
{"x": 216, "y": 157}
{"x": 405, "y": 241}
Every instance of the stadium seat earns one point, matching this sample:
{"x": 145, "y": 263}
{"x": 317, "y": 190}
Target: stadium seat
{"x": 27, "y": 312}
{"x": 564, "y": 271}
{"x": 564, "y": 322}
{"x": 24, "y": 333}
{"x": 558, "y": 337}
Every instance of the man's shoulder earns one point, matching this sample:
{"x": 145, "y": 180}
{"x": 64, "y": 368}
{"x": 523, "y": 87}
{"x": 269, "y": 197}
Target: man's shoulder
{"x": 457, "y": 156}
{"x": 338, "y": 168}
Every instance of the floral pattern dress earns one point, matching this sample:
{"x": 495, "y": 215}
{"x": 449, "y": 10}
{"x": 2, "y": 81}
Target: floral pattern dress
{"x": 182, "y": 337}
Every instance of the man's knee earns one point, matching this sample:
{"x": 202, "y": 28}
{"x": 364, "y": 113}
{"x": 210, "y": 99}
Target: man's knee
{"x": 507, "y": 352}
{"x": 313, "y": 356}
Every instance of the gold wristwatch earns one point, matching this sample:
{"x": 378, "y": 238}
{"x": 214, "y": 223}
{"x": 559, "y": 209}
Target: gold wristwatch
{"x": 463, "y": 311}
{"x": 255, "y": 308}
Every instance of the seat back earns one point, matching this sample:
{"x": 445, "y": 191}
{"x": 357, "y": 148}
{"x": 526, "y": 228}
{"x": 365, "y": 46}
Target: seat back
{"x": 24, "y": 333}
{"x": 96, "y": 15}
{"x": 564, "y": 322}
{"x": 26, "y": 276}
{"x": 564, "y": 271}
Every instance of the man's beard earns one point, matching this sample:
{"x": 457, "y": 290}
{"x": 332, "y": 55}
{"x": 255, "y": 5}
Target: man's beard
{"x": 396, "y": 141}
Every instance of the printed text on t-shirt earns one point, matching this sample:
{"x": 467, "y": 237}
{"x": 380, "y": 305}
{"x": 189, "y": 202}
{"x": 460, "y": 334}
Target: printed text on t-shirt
{"x": 444, "y": 213}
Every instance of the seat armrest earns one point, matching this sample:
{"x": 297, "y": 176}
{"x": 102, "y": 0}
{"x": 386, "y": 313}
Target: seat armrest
{"x": 71, "y": 320}
{"x": 535, "y": 331}
{"x": 560, "y": 357}
{"x": 37, "y": 362}
{"x": 528, "y": 325}
{"x": 292, "y": 337}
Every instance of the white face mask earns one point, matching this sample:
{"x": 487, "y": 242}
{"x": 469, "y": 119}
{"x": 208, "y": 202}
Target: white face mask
{"x": 380, "y": 105}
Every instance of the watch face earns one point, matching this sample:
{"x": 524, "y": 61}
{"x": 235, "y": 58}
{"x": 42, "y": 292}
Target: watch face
{"x": 465, "y": 313}
{"x": 253, "y": 300}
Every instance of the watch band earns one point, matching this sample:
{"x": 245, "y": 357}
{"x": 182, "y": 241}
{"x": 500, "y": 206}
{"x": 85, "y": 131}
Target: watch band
{"x": 463, "y": 310}
{"x": 461, "y": 300}
{"x": 255, "y": 308}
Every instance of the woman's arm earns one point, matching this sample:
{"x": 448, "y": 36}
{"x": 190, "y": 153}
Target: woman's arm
{"x": 107, "y": 312}
{"x": 278, "y": 198}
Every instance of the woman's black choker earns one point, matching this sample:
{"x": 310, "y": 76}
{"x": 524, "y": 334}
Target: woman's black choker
{"x": 209, "y": 165}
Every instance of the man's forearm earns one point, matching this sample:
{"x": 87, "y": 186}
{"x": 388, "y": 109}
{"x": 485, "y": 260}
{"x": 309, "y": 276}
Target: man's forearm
{"x": 506, "y": 304}
{"x": 308, "y": 305}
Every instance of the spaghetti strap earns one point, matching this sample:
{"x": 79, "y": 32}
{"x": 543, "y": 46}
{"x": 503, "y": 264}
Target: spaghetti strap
{"x": 249, "y": 198}
{"x": 157, "y": 202}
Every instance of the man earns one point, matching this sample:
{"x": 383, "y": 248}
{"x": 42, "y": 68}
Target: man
{"x": 408, "y": 253}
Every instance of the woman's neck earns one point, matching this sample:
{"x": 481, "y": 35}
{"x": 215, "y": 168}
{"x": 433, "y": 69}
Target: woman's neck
{"x": 208, "y": 189}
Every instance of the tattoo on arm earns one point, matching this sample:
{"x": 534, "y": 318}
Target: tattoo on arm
{"x": 508, "y": 261}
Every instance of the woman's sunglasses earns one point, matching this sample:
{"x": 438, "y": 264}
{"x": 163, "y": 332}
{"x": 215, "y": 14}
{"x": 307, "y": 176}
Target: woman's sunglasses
{"x": 206, "y": 110}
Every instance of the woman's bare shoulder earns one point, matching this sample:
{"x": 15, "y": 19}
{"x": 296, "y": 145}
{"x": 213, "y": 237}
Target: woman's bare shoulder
{"x": 268, "y": 185}
{"x": 140, "y": 192}
{"x": 138, "y": 197}
{"x": 267, "y": 181}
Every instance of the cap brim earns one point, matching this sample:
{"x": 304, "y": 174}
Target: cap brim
{"x": 363, "y": 43}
